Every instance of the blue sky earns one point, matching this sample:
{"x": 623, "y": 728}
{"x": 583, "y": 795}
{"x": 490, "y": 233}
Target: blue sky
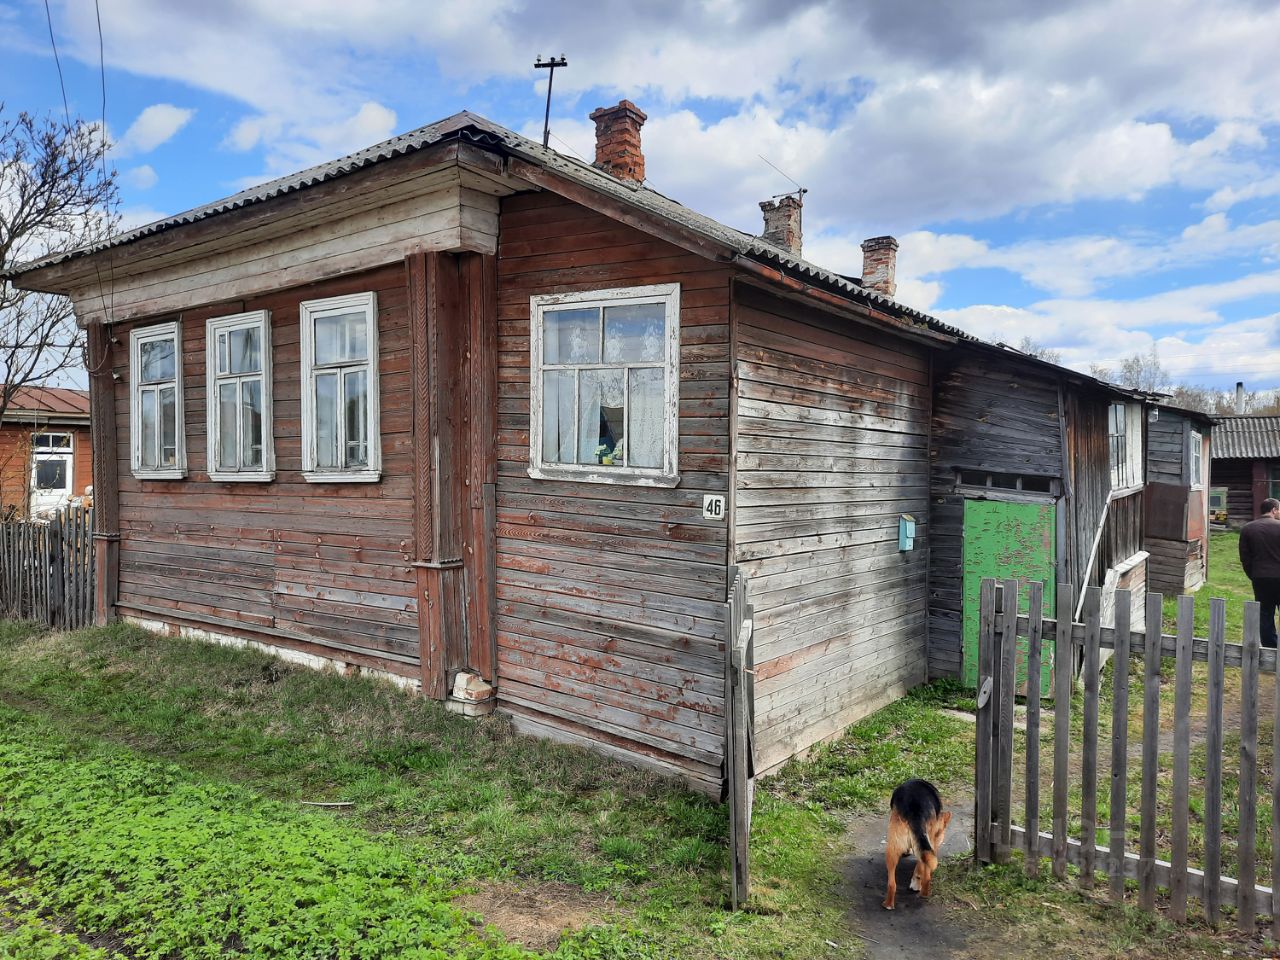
{"x": 1101, "y": 177}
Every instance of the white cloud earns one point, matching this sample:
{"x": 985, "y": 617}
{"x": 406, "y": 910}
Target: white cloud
{"x": 143, "y": 177}
{"x": 155, "y": 125}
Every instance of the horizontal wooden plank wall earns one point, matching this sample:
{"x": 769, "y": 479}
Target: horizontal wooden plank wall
{"x": 1166, "y": 449}
{"x": 610, "y": 598}
{"x": 831, "y": 447}
{"x": 988, "y": 416}
{"x": 1175, "y": 566}
{"x": 328, "y": 564}
{"x": 1237, "y": 477}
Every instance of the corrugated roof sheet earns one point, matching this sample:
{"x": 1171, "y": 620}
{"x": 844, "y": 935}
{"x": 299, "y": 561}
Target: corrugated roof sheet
{"x": 474, "y": 128}
{"x": 49, "y": 400}
{"x": 1246, "y": 438}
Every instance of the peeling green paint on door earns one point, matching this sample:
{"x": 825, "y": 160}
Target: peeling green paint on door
{"x": 1002, "y": 540}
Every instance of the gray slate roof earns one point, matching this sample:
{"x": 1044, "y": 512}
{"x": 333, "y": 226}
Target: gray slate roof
{"x": 1246, "y": 438}
{"x": 476, "y": 129}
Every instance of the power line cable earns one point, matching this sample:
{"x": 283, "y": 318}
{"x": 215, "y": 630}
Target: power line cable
{"x": 48, "y": 17}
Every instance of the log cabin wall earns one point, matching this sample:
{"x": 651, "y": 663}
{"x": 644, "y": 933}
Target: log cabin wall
{"x": 831, "y": 448}
{"x": 990, "y": 417}
{"x": 609, "y": 596}
{"x": 323, "y": 568}
{"x": 1246, "y": 487}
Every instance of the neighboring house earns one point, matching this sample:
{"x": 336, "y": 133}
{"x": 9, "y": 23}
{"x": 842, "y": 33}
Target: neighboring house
{"x": 1177, "y": 498}
{"x": 1246, "y": 464}
{"x": 45, "y": 453}
{"x": 477, "y": 415}
{"x": 1036, "y": 474}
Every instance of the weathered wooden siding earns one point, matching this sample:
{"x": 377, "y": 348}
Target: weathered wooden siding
{"x": 1175, "y": 566}
{"x": 610, "y": 598}
{"x": 320, "y": 567}
{"x": 988, "y": 416}
{"x": 1238, "y": 477}
{"x": 831, "y": 447}
{"x": 1166, "y": 449}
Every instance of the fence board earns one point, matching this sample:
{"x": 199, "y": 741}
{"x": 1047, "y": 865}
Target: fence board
{"x": 1035, "y": 610}
{"x": 1008, "y": 688}
{"x": 1063, "y": 660}
{"x": 1246, "y": 911}
{"x": 1150, "y": 761}
{"x": 1181, "y": 757}
{"x": 1119, "y": 744}
{"x": 986, "y": 711}
{"x": 1089, "y": 758}
{"x": 1213, "y": 763}
{"x": 46, "y": 569}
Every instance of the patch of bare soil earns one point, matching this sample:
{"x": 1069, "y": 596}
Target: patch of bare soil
{"x": 536, "y": 915}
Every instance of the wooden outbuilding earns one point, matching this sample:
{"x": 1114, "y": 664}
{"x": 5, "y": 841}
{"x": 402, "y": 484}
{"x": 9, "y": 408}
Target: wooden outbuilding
{"x": 505, "y": 425}
{"x": 1246, "y": 464}
{"x": 45, "y": 455}
{"x": 1036, "y": 474}
{"x": 1177, "y": 501}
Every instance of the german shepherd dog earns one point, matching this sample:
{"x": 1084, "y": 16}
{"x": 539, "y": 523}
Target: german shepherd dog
{"x": 917, "y": 825}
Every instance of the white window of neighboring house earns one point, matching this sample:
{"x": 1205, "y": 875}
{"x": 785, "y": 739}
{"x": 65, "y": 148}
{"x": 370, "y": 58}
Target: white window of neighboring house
{"x": 1197, "y": 460}
{"x": 52, "y": 469}
{"x": 605, "y": 385}
{"x": 340, "y": 434}
{"x": 238, "y": 364}
{"x": 1124, "y": 442}
{"x": 156, "y": 430}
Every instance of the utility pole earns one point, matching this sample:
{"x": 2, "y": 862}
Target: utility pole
{"x": 550, "y": 65}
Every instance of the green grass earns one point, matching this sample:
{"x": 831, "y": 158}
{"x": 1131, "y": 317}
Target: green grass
{"x": 1226, "y": 580}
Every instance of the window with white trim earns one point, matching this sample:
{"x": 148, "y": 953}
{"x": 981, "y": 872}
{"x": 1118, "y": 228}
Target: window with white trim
{"x": 157, "y": 437}
{"x": 1124, "y": 442}
{"x": 1197, "y": 460}
{"x": 340, "y": 389}
{"x": 605, "y": 385}
{"x": 238, "y": 361}
{"x": 51, "y": 463}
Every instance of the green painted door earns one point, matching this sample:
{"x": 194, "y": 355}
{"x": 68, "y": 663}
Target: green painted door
{"x": 1002, "y": 540}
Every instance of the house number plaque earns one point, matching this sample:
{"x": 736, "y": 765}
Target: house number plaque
{"x": 713, "y": 506}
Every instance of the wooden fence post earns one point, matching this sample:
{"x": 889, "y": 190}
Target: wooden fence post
{"x": 1181, "y": 758}
{"x": 1150, "y": 751}
{"x": 1089, "y": 752}
{"x": 1120, "y": 743}
{"x": 1063, "y": 659}
{"x": 1035, "y": 636}
{"x": 983, "y": 759}
{"x": 1246, "y": 907}
{"x": 1213, "y": 764}
{"x": 1007, "y": 687}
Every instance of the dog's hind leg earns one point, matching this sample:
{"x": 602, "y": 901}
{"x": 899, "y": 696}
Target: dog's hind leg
{"x": 891, "y": 857}
{"x": 923, "y": 879}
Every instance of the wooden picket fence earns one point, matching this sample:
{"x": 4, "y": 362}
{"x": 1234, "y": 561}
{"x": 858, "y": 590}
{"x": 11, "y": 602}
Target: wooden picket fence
{"x": 46, "y": 569}
{"x": 739, "y": 747}
{"x": 1010, "y": 647}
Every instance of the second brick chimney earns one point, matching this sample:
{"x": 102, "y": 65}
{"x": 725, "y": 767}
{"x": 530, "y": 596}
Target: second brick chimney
{"x": 782, "y": 222}
{"x": 618, "y": 140}
{"x": 879, "y": 265}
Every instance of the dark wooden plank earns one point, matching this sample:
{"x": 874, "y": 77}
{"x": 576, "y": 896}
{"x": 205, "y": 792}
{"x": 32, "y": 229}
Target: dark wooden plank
{"x": 1150, "y": 759}
{"x": 987, "y": 708}
{"x": 1181, "y": 759}
{"x": 1031, "y": 808}
{"x": 1089, "y": 748}
{"x": 1246, "y": 907}
{"x": 1008, "y": 689}
{"x": 1062, "y": 666}
{"x": 1213, "y": 763}
{"x": 1119, "y": 743}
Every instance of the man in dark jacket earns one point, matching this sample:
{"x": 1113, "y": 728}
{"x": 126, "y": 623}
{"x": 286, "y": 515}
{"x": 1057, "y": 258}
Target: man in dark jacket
{"x": 1260, "y": 557}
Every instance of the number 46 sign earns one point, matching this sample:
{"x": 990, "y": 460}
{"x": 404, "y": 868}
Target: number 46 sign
{"x": 713, "y": 506}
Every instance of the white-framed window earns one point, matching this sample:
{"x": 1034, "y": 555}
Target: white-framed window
{"x": 1196, "y": 460}
{"x": 52, "y": 468}
{"x": 156, "y": 434}
{"x": 1124, "y": 442}
{"x": 340, "y": 438}
{"x": 605, "y": 385}
{"x": 238, "y": 365}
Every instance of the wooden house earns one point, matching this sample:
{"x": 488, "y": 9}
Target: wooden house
{"x": 1177, "y": 501}
{"x": 45, "y": 453}
{"x": 1036, "y": 472}
{"x": 502, "y": 424}
{"x": 1246, "y": 464}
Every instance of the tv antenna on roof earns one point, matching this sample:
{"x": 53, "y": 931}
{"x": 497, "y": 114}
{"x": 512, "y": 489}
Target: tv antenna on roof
{"x": 798, "y": 192}
{"x": 551, "y": 65}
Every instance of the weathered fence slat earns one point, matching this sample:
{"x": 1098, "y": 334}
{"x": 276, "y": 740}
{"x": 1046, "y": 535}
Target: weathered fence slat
{"x": 1181, "y": 757}
{"x": 1213, "y": 763}
{"x": 1119, "y": 743}
{"x": 46, "y": 569}
{"x": 1063, "y": 660}
{"x": 1035, "y": 601}
{"x": 1089, "y": 758}
{"x": 1008, "y": 689}
{"x": 1246, "y": 909}
{"x": 986, "y": 711}
{"x": 1150, "y": 760}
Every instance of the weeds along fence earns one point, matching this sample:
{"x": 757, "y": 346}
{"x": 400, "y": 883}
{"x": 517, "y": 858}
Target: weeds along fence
{"x": 46, "y": 569}
{"x": 1172, "y": 829}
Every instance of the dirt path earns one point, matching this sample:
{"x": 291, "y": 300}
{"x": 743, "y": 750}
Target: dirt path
{"x": 915, "y": 928}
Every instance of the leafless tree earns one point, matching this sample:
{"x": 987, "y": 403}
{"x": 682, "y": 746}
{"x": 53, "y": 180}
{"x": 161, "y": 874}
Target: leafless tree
{"x": 56, "y": 193}
{"x": 1033, "y": 349}
{"x": 1138, "y": 372}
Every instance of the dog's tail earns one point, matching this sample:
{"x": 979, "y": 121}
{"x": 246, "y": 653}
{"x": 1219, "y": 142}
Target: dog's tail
{"x": 923, "y": 845}
{"x": 917, "y": 802}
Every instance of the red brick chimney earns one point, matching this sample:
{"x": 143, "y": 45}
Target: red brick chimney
{"x": 618, "y": 140}
{"x": 879, "y": 264}
{"x": 782, "y": 222}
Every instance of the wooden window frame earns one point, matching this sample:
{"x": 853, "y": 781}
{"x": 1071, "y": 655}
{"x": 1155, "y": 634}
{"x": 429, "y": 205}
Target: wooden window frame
{"x": 138, "y": 336}
{"x": 1128, "y": 476}
{"x": 1196, "y": 454}
{"x": 308, "y": 312}
{"x": 668, "y": 475}
{"x": 43, "y": 453}
{"x": 261, "y": 319}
